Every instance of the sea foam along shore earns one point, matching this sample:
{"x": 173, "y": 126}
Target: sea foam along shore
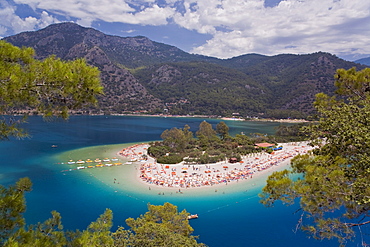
{"x": 184, "y": 176}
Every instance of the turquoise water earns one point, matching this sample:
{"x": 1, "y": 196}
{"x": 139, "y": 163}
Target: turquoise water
{"x": 231, "y": 216}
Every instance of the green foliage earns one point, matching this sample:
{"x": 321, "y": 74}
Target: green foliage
{"x": 334, "y": 188}
{"x": 158, "y": 150}
{"x": 292, "y": 133}
{"x": 243, "y": 140}
{"x": 177, "y": 139}
{"x": 179, "y": 145}
{"x": 11, "y": 127}
{"x": 160, "y": 226}
{"x": 202, "y": 88}
{"x": 170, "y": 159}
{"x": 49, "y": 233}
{"x": 98, "y": 232}
{"x": 51, "y": 87}
{"x": 12, "y": 206}
{"x": 222, "y": 129}
{"x": 206, "y": 133}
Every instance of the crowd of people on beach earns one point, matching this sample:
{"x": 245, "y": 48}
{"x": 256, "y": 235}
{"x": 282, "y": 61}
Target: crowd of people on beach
{"x": 196, "y": 175}
{"x": 135, "y": 152}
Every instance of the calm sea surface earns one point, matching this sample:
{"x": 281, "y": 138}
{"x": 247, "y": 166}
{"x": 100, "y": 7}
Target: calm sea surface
{"x": 231, "y": 216}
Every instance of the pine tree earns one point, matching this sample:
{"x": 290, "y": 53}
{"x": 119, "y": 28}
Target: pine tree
{"x": 334, "y": 187}
{"x": 50, "y": 87}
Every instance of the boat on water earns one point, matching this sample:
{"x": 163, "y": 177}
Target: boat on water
{"x": 70, "y": 162}
{"x": 80, "y": 167}
{"x": 193, "y": 216}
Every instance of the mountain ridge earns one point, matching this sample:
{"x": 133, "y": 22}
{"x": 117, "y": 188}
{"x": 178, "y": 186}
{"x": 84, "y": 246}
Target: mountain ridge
{"x": 139, "y": 74}
{"x": 364, "y": 61}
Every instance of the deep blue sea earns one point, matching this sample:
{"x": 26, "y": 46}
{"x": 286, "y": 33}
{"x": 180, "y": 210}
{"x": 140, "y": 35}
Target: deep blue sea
{"x": 231, "y": 218}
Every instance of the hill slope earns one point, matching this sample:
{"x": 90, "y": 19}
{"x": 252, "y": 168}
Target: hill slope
{"x": 203, "y": 88}
{"x": 142, "y": 75}
{"x": 296, "y": 79}
{"x": 365, "y": 61}
{"x": 69, "y": 41}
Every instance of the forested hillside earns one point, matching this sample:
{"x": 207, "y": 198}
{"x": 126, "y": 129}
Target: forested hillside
{"x": 203, "y": 88}
{"x": 294, "y": 79}
{"x": 140, "y": 75}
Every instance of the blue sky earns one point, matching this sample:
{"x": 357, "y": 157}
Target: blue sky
{"x": 218, "y": 28}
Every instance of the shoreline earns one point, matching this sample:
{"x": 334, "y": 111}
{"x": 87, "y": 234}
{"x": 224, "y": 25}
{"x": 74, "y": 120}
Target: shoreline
{"x": 282, "y": 120}
{"x": 206, "y": 176}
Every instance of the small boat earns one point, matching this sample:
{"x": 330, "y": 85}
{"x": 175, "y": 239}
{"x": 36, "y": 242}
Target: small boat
{"x": 108, "y": 164}
{"x": 114, "y": 159}
{"x": 117, "y": 164}
{"x": 54, "y": 146}
{"x": 70, "y": 162}
{"x": 106, "y": 160}
{"x": 80, "y": 167}
{"x": 193, "y": 216}
{"x": 97, "y": 160}
{"x": 89, "y": 160}
{"x": 80, "y": 161}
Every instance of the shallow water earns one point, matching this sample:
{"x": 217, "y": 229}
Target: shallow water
{"x": 232, "y": 216}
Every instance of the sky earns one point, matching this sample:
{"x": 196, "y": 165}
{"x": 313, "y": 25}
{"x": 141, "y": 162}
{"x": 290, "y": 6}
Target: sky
{"x": 217, "y": 28}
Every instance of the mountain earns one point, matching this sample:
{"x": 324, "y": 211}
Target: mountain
{"x": 203, "y": 88}
{"x": 142, "y": 75}
{"x": 295, "y": 79}
{"x": 365, "y": 61}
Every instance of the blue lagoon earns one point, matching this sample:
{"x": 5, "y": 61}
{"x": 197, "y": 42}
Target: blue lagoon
{"x": 232, "y": 216}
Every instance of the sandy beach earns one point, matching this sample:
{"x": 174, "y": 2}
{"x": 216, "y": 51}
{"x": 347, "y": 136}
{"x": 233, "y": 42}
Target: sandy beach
{"x": 184, "y": 176}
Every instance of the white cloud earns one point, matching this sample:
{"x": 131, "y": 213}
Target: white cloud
{"x": 11, "y": 21}
{"x": 149, "y": 16}
{"x": 128, "y": 31}
{"x": 293, "y": 26}
{"x": 236, "y": 26}
{"x": 87, "y": 11}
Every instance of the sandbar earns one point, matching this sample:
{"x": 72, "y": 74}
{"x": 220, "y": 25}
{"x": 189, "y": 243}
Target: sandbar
{"x": 193, "y": 176}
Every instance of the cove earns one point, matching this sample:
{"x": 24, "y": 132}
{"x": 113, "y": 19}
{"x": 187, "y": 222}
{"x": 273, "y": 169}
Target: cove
{"x": 231, "y": 217}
